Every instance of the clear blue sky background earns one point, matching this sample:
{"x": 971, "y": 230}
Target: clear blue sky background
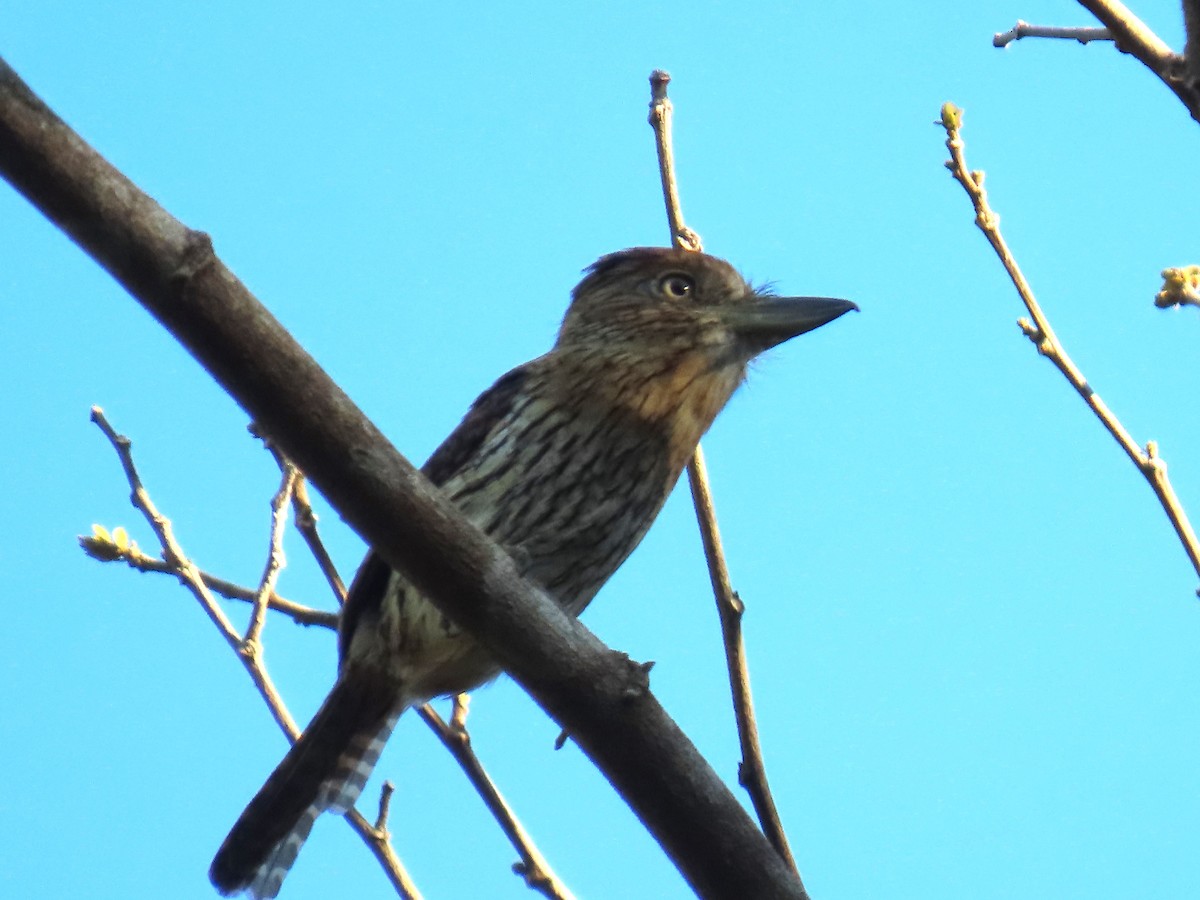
{"x": 973, "y": 636}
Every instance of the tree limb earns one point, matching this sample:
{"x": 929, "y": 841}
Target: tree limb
{"x": 600, "y": 696}
{"x": 1134, "y": 37}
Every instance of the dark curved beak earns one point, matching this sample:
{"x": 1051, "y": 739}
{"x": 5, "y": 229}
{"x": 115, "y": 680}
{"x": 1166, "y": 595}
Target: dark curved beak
{"x": 767, "y": 321}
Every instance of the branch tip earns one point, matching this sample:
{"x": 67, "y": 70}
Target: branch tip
{"x": 659, "y": 79}
{"x": 1037, "y": 328}
{"x": 1181, "y": 287}
{"x": 385, "y": 808}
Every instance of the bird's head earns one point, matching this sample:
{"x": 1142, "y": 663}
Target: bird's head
{"x": 668, "y": 333}
{"x": 661, "y": 302}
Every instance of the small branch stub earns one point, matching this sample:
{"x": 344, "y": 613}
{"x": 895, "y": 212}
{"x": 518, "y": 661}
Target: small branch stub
{"x": 385, "y": 807}
{"x": 1022, "y": 29}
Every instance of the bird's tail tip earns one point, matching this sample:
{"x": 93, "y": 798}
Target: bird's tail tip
{"x": 326, "y": 769}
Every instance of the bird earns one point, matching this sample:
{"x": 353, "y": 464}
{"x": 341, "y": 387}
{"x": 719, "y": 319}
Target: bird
{"x": 565, "y": 462}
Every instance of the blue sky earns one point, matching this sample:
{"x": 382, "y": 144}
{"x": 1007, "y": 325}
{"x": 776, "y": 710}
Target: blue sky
{"x": 972, "y": 634}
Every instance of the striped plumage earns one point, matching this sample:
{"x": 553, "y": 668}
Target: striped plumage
{"x": 565, "y": 461}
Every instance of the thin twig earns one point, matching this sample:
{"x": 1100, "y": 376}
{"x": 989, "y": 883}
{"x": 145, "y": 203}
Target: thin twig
{"x": 276, "y": 559}
{"x": 250, "y": 656}
{"x": 101, "y": 547}
{"x": 306, "y": 524}
{"x": 1059, "y": 32}
{"x": 752, "y": 773}
{"x": 385, "y": 808}
{"x": 660, "y": 120}
{"x": 1037, "y": 329}
{"x": 190, "y": 575}
{"x": 306, "y": 517}
{"x": 532, "y": 867}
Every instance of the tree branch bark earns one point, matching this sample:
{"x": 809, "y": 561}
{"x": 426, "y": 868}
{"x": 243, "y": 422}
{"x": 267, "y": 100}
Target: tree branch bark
{"x": 600, "y": 696}
{"x": 1134, "y": 37}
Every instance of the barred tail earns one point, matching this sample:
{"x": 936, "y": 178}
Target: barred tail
{"x": 325, "y": 770}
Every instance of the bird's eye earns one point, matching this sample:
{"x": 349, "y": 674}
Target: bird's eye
{"x": 676, "y": 286}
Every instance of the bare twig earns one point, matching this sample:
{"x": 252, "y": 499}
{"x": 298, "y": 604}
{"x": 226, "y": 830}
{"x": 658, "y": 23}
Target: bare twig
{"x": 752, "y": 773}
{"x": 385, "y": 807}
{"x": 306, "y": 524}
{"x": 101, "y": 546}
{"x": 1073, "y": 33}
{"x": 249, "y": 653}
{"x": 306, "y": 517}
{"x": 275, "y": 555}
{"x": 660, "y": 120}
{"x": 532, "y": 867}
{"x": 1037, "y": 329}
{"x": 190, "y": 576}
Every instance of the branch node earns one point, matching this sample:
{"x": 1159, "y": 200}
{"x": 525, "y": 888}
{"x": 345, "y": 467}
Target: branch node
{"x": 196, "y": 256}
{"x": 250, "y": 650}
{"x": 638, "y": 684}
{"x": 688, "y": 239}
{"x": 458, "y": 718}
{"x": 385, "y": 807}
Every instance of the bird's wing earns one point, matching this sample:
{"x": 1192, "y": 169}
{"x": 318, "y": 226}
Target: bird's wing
{"x": 490, "y": 409}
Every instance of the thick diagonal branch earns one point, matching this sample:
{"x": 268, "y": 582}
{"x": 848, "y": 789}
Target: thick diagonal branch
{"x": 598, "y": 695}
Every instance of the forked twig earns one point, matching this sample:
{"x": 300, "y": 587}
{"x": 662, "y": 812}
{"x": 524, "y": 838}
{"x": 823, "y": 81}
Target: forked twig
{"x": 248, "y": 652}
{"x": 1037, "y": 328}
{"x": 752, "y": 773}
{"x": 104, "y": 547}
{"x": 306, "y": 516}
